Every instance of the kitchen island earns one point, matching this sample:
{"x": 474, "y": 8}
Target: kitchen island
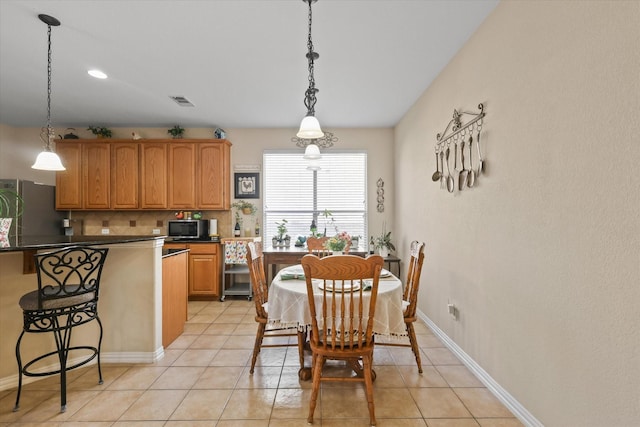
{"x": 130, "y": 304}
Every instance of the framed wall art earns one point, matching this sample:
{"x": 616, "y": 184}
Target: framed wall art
{"x": 247, "y": 185}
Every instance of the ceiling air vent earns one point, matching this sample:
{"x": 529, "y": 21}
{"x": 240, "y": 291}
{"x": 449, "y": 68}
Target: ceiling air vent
{"x": 182, "y": 101}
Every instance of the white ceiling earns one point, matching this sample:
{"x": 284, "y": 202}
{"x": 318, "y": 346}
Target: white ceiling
{"x": 241, "y": 62}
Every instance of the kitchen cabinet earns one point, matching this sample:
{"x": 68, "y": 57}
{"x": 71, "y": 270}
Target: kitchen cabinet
{"x": 213, "y": 175}
{"x": 125, "y": 173}
{"x": 69, "y": 181}
{"x": 157, "y": 174}
{"x": 96, "y": 173}
{"x": 85, "y": 182}
{"x": 182, "y": 170}
{"x": 175, "y": 276}
{"x": 153, "y": 175}
{"x": 204, "y": 269}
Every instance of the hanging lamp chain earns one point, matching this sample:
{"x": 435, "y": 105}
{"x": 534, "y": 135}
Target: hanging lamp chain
{"x": 310, "y": 94}
{"x": 47, "y": 134}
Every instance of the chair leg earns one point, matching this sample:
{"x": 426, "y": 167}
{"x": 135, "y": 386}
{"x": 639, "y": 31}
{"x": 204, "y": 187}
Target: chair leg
{"x": 414, "y": 345}
{"x": 257, "y": 345}
{"x": 368, "y": 382}
{"x": 318, "y": 361}
{"x": 100, "y": 380}
{"x": 19, "y": 360}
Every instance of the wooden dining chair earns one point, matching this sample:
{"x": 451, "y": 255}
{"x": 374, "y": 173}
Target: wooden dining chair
{"x": 316, "y": 246}
{"x": 341, "y": 318}
{"x": 410, "y": 300}
{"x": 255, "y": 261}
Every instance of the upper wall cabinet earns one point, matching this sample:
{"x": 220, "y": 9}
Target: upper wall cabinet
{"x": 149, "y": 174}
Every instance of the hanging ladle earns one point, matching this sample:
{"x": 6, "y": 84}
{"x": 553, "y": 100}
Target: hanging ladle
{"x": 436, "y": 174}
{"x": 471, "y": 175}
{"x": 450, "y": 184}
{"x": 462, "y": 176}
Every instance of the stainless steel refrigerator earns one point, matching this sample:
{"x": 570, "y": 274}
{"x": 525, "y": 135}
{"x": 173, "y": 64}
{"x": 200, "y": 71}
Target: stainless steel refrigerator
{"x": 39, "y": 217}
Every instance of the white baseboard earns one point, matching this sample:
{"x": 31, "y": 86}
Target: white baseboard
{"x": 11, "y": 381}
{"x": 498, "y": 391}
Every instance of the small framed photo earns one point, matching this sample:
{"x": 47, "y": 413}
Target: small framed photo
{"x": 247, "y": 185}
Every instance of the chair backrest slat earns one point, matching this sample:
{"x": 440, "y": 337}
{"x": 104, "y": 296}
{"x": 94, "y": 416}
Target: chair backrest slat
{"x": 255, "y": 261}
{"x": 340, "y": 315}
{"x": 412, "y": 285}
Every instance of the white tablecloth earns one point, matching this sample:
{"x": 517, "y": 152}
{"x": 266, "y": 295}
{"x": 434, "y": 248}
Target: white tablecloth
{"x": 289, "y": 305}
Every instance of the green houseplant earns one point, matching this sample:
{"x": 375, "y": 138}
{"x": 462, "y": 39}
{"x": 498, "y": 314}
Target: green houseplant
{"x": 383, "y": 242}
{"x": 100, "y": 131}
{"x": 176, "y": 131}
{"x": 282, "y": 239}
{"x": 247, "y": 208}
{"x": 9, "y": 201}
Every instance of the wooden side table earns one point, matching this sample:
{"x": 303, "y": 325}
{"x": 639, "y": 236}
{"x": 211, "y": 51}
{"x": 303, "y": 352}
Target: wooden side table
{"x": 392, "y": 259}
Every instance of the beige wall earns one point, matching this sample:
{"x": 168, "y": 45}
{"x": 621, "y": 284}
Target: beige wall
{"x": 542, "y": 257}
{"x": 20, "y": 146}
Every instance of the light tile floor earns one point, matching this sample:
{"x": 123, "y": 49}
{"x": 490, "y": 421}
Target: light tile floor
{"x": 204, "y": 380}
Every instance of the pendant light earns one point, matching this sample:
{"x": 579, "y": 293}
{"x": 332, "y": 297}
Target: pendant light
{"x": 48, "y": 160}
{"x": 310, "y": 127}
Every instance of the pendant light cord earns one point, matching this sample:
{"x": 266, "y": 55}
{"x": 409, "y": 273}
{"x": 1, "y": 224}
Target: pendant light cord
{"x": 310, "y": 94}
{"x": 47, "y": 133}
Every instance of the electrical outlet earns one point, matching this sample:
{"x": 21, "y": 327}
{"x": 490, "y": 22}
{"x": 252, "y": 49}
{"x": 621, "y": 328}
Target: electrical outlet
{"x": 105, "y": 231}
{"x": 453, "y": 310}
{"x": 156, "y": 231}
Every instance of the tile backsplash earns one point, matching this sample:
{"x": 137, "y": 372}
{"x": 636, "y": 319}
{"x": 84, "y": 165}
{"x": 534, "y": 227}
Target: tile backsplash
{"x": 139, "y": 223}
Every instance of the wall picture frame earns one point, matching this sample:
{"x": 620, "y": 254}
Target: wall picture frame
{"x": 246, "y": 185}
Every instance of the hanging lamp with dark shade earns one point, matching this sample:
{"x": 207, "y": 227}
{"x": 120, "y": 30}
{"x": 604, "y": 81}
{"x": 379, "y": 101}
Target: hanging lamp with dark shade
{"x": 48, "y": 160}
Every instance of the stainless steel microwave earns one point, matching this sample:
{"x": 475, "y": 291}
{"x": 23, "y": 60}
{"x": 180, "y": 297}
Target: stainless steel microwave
{"x": 188, "y": 228}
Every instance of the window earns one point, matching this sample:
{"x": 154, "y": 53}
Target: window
{"x": 299, "y": 195}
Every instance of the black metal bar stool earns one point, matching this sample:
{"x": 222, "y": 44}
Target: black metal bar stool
{"x": 67, "y": 296}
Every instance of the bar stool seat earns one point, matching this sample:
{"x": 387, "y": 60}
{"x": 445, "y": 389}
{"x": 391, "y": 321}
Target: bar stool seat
{"x": 67, "y": 296}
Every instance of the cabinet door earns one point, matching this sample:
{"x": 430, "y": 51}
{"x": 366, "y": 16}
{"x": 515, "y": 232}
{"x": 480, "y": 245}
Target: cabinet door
{"x": 96, "y": 160}
{"x": 204, "y": 270}
{"x": 182, "y": 185}
{"x": 124, "y": 175}
{"x": 69, "y": 181}
{"x": 174, "y": 296}
{"x": 153, "y": 180}
{"x": 212, "y": 176}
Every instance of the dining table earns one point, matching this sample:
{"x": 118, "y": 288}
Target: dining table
{"x": 289, "y": 304}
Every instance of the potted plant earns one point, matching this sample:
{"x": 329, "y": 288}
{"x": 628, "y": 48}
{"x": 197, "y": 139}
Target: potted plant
{"x": 176, "y": 132}
{"x": 282, "y": 239}
{"x": 100, "y": 131}
{"x": 247, "y": 208}
{"x": 383, "y": 243}
{"x": 9, "y": 200}
{"x": 338, "y": 242}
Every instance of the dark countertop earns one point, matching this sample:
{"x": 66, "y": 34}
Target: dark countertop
{"x": 49, "y": 242}
{"x": 171, "y": 252}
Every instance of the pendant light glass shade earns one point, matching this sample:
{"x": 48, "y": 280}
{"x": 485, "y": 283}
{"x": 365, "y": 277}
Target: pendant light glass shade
{"x": 48, "y": 161}
{"x": 314, "y": 165}
{"x": 312, "y": 152}
{"x": 310, "y": 128}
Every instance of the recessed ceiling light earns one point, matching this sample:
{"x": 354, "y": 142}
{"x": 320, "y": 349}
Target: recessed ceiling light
{"x": 97, "y": 74}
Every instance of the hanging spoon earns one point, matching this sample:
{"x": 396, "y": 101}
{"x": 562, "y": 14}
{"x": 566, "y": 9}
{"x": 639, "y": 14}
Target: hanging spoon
{"x": 441, "y": 169}
{"x": 436, "y": 174}
{"x": 480, "y": 160}
{"x": 450, "y": 185}
{"x": 462, "y": 176}
{"x": 471, "y": 175}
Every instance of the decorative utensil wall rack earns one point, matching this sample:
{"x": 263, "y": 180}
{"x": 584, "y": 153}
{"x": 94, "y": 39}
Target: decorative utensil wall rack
{"x": 459, "y": 138}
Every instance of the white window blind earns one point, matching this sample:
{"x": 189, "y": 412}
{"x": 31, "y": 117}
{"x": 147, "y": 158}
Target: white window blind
{"x": 299, "y": 195}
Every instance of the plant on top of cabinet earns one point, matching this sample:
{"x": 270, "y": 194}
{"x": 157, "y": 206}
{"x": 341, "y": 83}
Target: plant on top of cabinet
{"x": 100, "y": 131}
{"x": 176, "y": 131}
